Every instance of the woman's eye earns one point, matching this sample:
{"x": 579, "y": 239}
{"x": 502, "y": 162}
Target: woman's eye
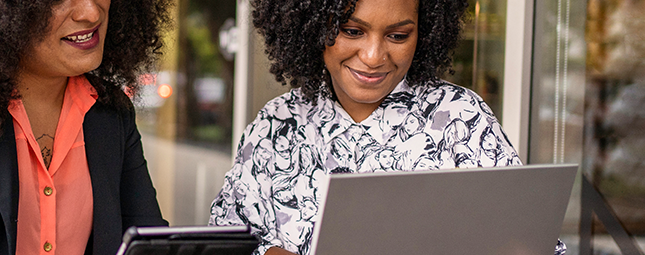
{"x": 398, "y": 37}
{"x": 352, "y": 32}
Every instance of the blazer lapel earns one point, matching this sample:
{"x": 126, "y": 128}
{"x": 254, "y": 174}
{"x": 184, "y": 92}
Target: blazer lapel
{"x": 8, "y": 187}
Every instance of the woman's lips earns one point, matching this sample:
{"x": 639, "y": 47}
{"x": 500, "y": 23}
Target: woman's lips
{"x": 369, "y": 78}
{"x": 84, "y": 40}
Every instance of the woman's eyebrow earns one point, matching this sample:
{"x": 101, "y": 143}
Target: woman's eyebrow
{"x": 398, "y": 24}
{"x": 360, "y": 21}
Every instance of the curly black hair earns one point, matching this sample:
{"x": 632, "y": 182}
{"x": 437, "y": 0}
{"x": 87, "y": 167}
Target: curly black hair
{"x": 132, "y": 45}
{"x": 297, "y": 31}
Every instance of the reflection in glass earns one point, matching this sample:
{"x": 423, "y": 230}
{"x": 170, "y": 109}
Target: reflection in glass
{"x": 558, "y": 79}
{"x": 588, "y": 92}
{"x": 557, "y": 95}
{"x": 186, "y": 127}
{"x": 615, "y": 135}
{"x": 479, "y": 59}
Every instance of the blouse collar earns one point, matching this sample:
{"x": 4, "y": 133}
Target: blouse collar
{"x": 394, "y": 105}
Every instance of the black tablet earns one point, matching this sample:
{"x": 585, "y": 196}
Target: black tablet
{"x": 193, "y": 240}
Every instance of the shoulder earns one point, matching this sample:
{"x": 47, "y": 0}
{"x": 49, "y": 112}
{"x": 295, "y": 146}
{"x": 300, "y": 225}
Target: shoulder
{"x": 289, "y": 105}
{"x": 109, "y": 115}
{"x": 111, "y": 95}
{"x": 289, "y": 109}
{"x": 282, "y": 118}
{"x": 446, "y": 96}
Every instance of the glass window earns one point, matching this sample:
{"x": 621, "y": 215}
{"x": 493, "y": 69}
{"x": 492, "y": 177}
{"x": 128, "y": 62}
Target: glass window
{"x": 557, "y": 95}
{"x": 615, "y": 94}
{"x": 479, "y": 59}
{"x": 587, "y": 93}
{"x": 185, "y": 112}
{"x": 558, "y": 82}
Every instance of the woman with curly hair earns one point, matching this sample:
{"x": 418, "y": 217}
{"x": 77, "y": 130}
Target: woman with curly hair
{"x": 367, "y": 66}
{"x": 72, "y": 172}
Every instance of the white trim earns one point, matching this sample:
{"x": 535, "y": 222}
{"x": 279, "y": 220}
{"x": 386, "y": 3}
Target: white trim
{"x": 242, "y": 74}
{"x": 517, "y": 74}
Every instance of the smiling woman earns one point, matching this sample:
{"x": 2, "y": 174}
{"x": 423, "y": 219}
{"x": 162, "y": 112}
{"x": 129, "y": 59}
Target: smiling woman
{"x": 73, "y": 174}
{"x": 366, "y": 98}
{"x": 72, "y": 46}
{"x": 372, "y": 54}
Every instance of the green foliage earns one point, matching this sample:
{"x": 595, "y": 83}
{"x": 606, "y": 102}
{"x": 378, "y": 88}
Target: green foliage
{"x": 205, "y": 50}
{"x": 615, "y": 186}
{"x": 212, "y": 133}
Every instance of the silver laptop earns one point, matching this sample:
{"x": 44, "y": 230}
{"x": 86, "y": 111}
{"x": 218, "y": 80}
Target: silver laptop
{"x": 508, "y": 210}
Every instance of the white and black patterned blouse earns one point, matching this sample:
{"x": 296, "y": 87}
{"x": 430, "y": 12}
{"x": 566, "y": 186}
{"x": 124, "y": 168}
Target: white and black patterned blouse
{"x": 292, "y": 146}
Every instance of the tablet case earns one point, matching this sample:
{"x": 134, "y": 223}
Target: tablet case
{"x": 201, "y": 240}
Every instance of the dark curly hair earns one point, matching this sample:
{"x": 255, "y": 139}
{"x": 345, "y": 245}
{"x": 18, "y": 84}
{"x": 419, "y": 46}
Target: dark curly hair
{"x": 297, "y": 31}
{"x": 132, "y": 45}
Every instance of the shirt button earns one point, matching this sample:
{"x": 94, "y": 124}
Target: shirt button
{"x": 48, "y": 247}
{"x": 48, "y": 191}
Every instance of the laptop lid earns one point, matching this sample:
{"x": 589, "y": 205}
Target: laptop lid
{"x": 507, "y": 210}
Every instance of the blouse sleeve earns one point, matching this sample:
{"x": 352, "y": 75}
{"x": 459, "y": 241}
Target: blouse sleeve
{"x": 489, "y": 141}
{"x": 245, "y": 195}
{"x": 494, "y": 147}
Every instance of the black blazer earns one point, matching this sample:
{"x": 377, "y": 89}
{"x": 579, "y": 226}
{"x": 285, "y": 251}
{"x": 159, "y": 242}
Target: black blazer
{"x": 122, "y": 189}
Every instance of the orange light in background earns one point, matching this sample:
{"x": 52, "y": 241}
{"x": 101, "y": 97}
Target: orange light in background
{"x": 164, "y": 91}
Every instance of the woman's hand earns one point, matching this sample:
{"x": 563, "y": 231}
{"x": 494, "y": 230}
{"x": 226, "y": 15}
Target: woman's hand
{"x": 278, "y": 251}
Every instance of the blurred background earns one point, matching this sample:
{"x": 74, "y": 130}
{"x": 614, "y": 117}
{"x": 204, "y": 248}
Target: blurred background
{"x": 565, "y": 77}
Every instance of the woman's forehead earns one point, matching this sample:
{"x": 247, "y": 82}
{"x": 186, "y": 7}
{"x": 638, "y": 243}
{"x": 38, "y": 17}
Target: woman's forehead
{"x": 393, "y": 8}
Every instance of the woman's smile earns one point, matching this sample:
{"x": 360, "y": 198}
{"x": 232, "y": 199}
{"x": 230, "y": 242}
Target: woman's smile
{"x": 367, "y": 77}
{"x": 84, "y": 40}
{"x": 372, "y": 54}
{"x": 79, "y": 24}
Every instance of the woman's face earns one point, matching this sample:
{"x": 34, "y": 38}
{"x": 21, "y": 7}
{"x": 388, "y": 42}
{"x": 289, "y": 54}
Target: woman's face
{"x": 434, "y": 96}
{"x": 262, "y": 154}
{"x": 309, "y": 210}
{"x": 425, "y": 163}
{"x": 386, "y": 159}
{"x": 306, "y": 160}
{"x": 411, "y": 124}
{"x": 373, "y": 52}
{"x": 74, "y": 41}
{"x": 394, "y": 115}
{"x": 327, "y": 114}
{"x": 490, "y": 142}
{"x": 282, "y": 146}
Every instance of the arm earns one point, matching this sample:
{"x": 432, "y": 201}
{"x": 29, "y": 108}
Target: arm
{"x": 245, "y": 198}
{"x": 503, "y": 154}
{"x": 278, "y": 251}
{"x": 490, "y": 145}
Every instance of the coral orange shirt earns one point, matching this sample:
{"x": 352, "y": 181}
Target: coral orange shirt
{"x": 55, "y": 208}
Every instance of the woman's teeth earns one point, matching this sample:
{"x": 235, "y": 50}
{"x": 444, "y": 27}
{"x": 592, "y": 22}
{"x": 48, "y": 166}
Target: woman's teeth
{"x": 80, "y": 38}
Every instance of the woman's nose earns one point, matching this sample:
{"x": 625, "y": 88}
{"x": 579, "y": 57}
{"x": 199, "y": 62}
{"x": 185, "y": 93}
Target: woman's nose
{"x": 86, "y": 11}
{"x": 373, "y": 53}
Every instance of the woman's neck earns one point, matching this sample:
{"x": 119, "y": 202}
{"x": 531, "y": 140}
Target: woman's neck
{"x": 42, "y": 99}
{"x": 40, "y": 92}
